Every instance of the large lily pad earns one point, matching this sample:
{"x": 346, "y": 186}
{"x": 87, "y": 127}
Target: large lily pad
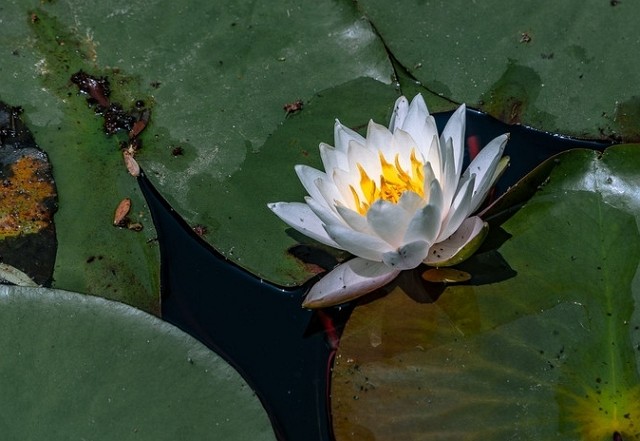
{"x": 268, "y": 176}
{"x": 81, "y": 367}
{"x": 217, "y": 93}
{"x": 544, "y": 348}
{"x": 562, "y": 67}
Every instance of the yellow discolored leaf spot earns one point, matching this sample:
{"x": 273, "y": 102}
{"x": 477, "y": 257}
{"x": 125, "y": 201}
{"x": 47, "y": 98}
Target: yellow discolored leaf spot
{"x": 26, "y": 191}
{"x": 604, "y": 410}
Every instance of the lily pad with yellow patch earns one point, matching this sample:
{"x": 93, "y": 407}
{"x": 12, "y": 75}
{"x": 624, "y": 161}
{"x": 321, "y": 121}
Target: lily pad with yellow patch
{"x": 28, "y": 200}
{"x": 549, "y": 351}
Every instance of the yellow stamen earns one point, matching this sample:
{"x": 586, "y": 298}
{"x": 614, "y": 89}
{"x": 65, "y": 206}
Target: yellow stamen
{"x": 393, "y": 182}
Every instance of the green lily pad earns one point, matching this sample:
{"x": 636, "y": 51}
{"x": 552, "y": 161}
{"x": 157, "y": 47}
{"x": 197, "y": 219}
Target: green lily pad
{"x": 81, "y": 367}
{"x": 217, "y": 94}
{"x": 268, "y": 176}
{"x": 548, "y": 65}
{"x": 93, "y": 256}
{"x": 546, "y": 350}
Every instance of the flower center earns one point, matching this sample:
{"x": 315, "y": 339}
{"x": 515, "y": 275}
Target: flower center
{"x": 393, "y": 182}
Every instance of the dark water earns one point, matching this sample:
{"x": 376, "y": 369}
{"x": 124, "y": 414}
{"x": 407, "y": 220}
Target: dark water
{"x": 258, "y": 327}
{"x": 283, "y": 351}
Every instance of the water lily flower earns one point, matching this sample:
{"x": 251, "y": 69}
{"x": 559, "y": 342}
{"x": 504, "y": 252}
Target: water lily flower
{"x": 395, "y": 199}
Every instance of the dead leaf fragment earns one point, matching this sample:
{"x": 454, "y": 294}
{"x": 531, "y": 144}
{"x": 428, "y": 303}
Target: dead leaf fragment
{"x": 131, "y": 164}
{"x": 135, "y": 226}
{"x": 120, "y": 216}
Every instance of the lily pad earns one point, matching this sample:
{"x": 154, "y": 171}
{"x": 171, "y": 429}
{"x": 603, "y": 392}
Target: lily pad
{"x": 545, "y": 349}
{"x": 28, "y": 201}
{"x": 76, "y": 366}
{"x": 268, "y": 176}
{"x": 93, "y": 256}
{"x": 217, "y": 94}
{"x": 548, "y": 65}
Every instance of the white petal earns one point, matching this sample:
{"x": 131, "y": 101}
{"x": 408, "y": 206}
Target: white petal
{"x": 435, "y": 193}
{"x": 455, "y": 130}
{"x": 308, "y": 176}
{"x": 389, "y": 221}
{"x": 427, "y": 222}
{"x": 369, "y": 160}
{"x": 484, "y": 167}
{"x": 429, "y": 177}
{"x": 425, "y": 225}
{"x": 411, "y": 202}
{"x": 460, "y": 209}
{"x": 344, "y": 135}
{"x": 326, "y": 215}
{"x": 502, "y": 166}
{"x": 416, "y": 116}
{"x": 424, "y": 136}
{"x": 459, "y": 246}
{"x": 348, "y": 281}
{"x": 402, "y": 144}
{"x": 300, "y": 217}
{"x": 490, "y": 154}
{"x": 332, "y": 158}
{"x": 329, "y": 192}
{"x": 449, "y": 178}
{"x": 344, "y": 182}
{"x": 400, "y": 110}
{"x": 379, "y": 138}
{"x": 354, "y": 219}
{"x": 407, "y": 256}
{"x": 434, "y": 157}
{"x": 357, "y": 243}
{"x": 420, "y": 125}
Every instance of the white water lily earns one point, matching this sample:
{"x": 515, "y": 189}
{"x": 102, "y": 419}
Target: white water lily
{"x": 395, "y": 199}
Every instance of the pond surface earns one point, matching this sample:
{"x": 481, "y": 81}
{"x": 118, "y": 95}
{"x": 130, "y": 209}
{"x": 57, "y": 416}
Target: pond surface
{"x": 282, "y": 350}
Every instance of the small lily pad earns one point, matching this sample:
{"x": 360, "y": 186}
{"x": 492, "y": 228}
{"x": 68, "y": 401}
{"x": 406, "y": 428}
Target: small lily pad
{"x": 28, "y": 200}
{"x": 445, "y": 275}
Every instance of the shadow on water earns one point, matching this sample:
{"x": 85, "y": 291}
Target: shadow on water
{"x": 282, "y": 350}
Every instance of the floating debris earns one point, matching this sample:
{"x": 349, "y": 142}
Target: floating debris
{"x": 291, "y": 108}
{"x": 15, "y": 276}
{"x": 200, "y": 230}
{"x": 132, "y": 165}
{"x": 122, "y": 211}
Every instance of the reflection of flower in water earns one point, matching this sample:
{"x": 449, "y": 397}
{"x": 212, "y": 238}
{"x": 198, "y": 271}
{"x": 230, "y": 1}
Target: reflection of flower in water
{"x": 394, "y": 199}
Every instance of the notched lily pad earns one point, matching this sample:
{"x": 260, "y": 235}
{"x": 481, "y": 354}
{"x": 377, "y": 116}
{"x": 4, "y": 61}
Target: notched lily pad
{"x": 549, "y": 66}
{"x": 28, "y": 200}
{"x": 268, "y": 176}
